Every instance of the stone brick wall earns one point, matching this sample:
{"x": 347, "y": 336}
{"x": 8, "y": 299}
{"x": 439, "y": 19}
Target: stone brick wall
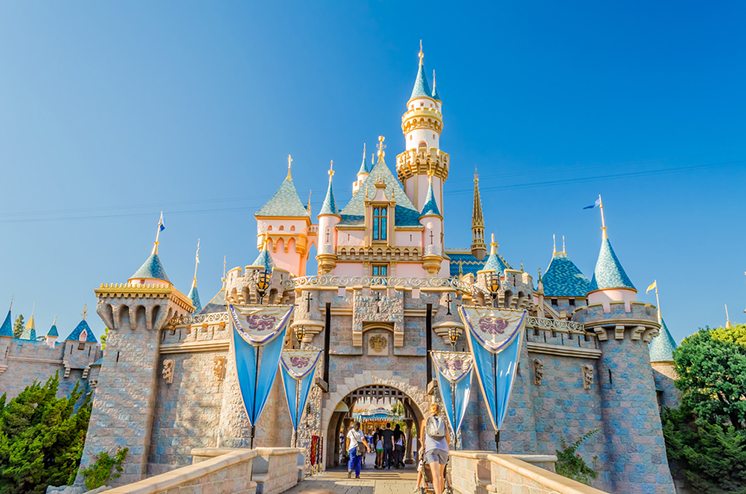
{"x": 665, "y": 375}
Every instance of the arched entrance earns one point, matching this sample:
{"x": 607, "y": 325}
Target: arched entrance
{"x": 344, "y": 416}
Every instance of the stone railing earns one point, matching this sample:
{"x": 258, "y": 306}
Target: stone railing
{"x": 351, "y": 281}
{"x": 228, "y": 473}
{"x": 554, "y": 325}
{"x": 481, "y": 472}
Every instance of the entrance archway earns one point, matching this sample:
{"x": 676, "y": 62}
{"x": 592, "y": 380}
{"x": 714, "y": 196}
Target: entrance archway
{"x": 342, "y": 417}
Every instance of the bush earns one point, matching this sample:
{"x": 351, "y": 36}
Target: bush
{"x": 105, "y": 468}
{"x": 571, "y": 465}
{"x": 41, "y": 437}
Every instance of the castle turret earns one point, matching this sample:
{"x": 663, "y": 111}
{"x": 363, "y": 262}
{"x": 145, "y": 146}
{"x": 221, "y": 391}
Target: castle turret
{"x": 422, "y": 124}
{"x": 362, "y": 173}
{"x": 329, "y": 218}
{"x": 193, "y": 293}
{"x": 6, "y": 330}
{"x": 52, "y": 334}
{"x": 627, "y": 387}
{"x": 432, "y": 220}
{"x": 135, "y": 312}
{"x": 29, "y": 332}
{"x": 565, "y": 286}
{"x": 286, "y": 223}
{"x": 478, "y": 248}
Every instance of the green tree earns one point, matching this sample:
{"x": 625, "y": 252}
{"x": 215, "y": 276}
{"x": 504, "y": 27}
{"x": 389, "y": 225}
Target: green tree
{"x": 41, "y": 437}
{"x": 706, "y": 435}
{"x": 18, "y": 326}
{"x": 104, "y": 337}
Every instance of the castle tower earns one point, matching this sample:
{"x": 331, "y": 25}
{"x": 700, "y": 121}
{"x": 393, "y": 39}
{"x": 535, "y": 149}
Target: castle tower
{"x": 422, "y": 124}
{"x": 29, "y": 332}
{"x": 362, "y": 173}
{"x": 626, "y": 384}
{"x": 432, "y": 220}
{"x": 52, "y": 334}
{"x": 329, "y": 218}
{"x": 6, "y": 330}
{"x": 478, "y": 248}
{"x": 193, "y": 293}
{"x": 286, "y": 223}
{"x": 135, "y": 312}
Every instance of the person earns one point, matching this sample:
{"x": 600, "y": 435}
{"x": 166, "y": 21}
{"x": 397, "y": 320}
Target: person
{"x": 399, "y": 439}
{"x": 378, "y": 442}
{"x": 415, "y": 451}
{"x": 357, "y": 446}
{"x": 388, "y": 446}
{"x": 434, "y": 438}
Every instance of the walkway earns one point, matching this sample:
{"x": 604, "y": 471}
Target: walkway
{"x": 370, "y": 482}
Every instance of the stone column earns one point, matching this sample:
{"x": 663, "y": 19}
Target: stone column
{"x": 408, "y": 447}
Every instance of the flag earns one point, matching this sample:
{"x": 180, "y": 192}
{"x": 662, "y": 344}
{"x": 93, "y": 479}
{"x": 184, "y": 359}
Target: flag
{"x": 652, "y": 286}
{"x": 161, "y": 226}
{"x": 596, "y": 204}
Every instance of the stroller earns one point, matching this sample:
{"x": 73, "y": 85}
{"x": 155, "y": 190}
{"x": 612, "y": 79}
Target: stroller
{"x": 428, "y": 481}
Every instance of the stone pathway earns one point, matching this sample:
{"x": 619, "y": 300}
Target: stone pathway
{"x": 370, "y": 482}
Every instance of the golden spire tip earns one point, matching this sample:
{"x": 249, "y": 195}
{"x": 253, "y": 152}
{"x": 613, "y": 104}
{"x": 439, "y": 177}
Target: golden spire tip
{"x": 421, "y": 54}
{"x": 290, "y": 166}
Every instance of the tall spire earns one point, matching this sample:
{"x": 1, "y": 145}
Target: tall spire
{"x": 436, "y": 96}
{"x": 7, "y": 327}
{"x": 478, "y": 248}
{"x": 364, "y": 170}
{"x": 329, "y": 206}
{"x": 193, "y": 292}
{"x": 431, "y": 205}
{"x": 421, "y": 87}
{"x": 609, "y": 273}
{"x": 604, "y": 234}
{"x": 381, "y": 147}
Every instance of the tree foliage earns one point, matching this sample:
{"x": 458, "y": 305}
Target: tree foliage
{"x": 104, "y": 469}
{"x": 41, "y": 437}
{"x": 18, "y": 326}
{"x": 571, "y": 464}
{"x": 706, "y": 435}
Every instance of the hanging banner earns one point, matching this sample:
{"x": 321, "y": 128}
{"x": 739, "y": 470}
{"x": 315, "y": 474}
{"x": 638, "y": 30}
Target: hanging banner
{"x": 298, "y": 368}
{"x": 495, "y": 337}
{"x": 258, "y": 336}
{"x": 454, "y": 383}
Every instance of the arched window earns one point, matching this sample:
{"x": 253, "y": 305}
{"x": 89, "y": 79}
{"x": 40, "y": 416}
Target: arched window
{"x": 282, "y": 228}
{"x": 292, "y": 228}
{"x": 379, "y": 223}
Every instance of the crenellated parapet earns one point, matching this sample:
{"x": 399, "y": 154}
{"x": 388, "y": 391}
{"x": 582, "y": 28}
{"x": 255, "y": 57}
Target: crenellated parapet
{"x": 241, "y": 285}
{"x": 635, "y": 320}
{"x": 421, "y": 161}
{"x": 140, "y": 305}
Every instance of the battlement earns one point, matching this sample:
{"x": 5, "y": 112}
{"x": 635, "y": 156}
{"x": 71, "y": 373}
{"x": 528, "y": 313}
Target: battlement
{"x": 636, "y": 320}
{"x": 241, "y": 283}
{"x": 421, "y": 161}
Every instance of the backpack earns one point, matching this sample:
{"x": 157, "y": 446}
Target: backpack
{"x": 436, "y": 428}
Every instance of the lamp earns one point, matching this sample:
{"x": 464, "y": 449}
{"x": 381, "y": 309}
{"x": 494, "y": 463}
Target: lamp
{"x": 263, "y": 279}
{"x": 493, "y": 285}
{"x": 300, "y": 332}
{"x": 453, "y": 334}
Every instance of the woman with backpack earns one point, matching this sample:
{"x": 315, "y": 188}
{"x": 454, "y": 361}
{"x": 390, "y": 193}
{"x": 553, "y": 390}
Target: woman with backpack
{"x": 435, "y": 446}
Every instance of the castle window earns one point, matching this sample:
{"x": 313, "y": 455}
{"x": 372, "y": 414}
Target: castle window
{"x": 379, "y": 270}
{"x": 292, "y": 228}
{"x": 554, "y": 302}
{"x": 572, "y": 302}
{"x": 282, "y": 228}
{"x": 379, "y": 223}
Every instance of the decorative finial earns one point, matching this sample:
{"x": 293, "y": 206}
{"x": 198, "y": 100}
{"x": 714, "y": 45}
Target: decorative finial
{"x": 476, "y": 175}
{"x": 225, "y": 264}
{"x": 564, "y": 249}
{"x": 331, "y": 164}
{"x": 433, "y": 81}
{"x": 290, "y": 167}
{"x": 381, "y": 147}
{"x": 539, "y": 275}
{"x": 308, "y": 207}
{"x": 364, "y": 151}
{"x": 728, "y": 324}
{"x": 12, "y": 298}
{"x": 554, "y": 244}
{"x": 421, "y": 54}
{"x": 493, "y": 244}
{"x": 604, "y": 234}
{"x": 522, "y": 268}
{"x": 85, "y": 311}
{"x": 196, "y": 265}
{"x": 158, "y": 231}
{"x": 54, "y": 321}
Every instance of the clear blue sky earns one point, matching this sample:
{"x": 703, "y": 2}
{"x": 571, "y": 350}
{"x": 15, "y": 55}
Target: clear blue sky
{"x": 112, "y": 111}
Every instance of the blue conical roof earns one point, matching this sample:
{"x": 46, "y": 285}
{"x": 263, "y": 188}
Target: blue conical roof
{"x": 152, "y": 268}
{"x": 53, "y": 331}
{"x": 436, "y": 96}
{"x": 663, "y": 345}
{"x": 216, "y": 303}
{"x": 76, "y": 333}
{"x": 495, "y": 262}
{"x": 7, "y": 328}
{"x": 431, "y": 205}
{"x": 609, "y": 273}
{"x": 421, "y": 87}
{"x": 29, "y": 332}
{"x": 329, "y": 206}
{"x": 263, "y": 260}
{"x": 194, "y": 297}
{"x": 285, "y": 202}
{"x": 563, "y": 278}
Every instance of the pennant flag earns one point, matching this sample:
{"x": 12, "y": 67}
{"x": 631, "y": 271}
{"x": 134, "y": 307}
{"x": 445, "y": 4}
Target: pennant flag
{"x": 652, "y": 286}
{"x": 495, "y": 337}
{"x": 161, "y": 226}
{"x": 297, "y": 370}
{"x": 596, "y": 204}
{"x": 258, "y": 336}
{"x": 454, "y": 383}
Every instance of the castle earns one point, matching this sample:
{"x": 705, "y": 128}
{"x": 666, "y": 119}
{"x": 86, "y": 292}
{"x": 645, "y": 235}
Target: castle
{"x": 385, "y": 294}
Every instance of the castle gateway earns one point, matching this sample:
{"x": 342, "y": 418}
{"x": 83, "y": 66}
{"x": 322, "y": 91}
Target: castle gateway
{"x": 386, "y": 293}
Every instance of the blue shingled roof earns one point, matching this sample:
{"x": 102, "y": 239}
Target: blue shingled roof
{"x": 662, "y": 346}
{"x": 609, "y": 272}
{"x": 216, "y": 303}
{"x": 28, "y": 334}
{"x": 405, "y": 214}
{"x": 463, "y": 262}
{"x": 421, "y": 87}
{"x": 431, "y": 206}
{"x": 53, "y": 331}
{"x": 285, "y": 202}
{"x": 329, "y": 206}
{"x": 82, "y": 326}
{"x": 7, "y": 328}
{"x": 151, "y": 269}
{"x": 564, "y": 279}
{"x": 495, "y": 262}
{"x": 194, "y": 297}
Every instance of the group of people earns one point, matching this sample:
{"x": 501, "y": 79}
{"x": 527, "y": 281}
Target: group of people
{"x": 390, "y": 445}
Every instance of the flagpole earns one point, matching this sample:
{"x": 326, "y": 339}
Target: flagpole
{"x": 157, "y": 234}
{"x": 603, "y": 218}
{"x": 196, "y": 265}
{"x": 658, "y": 303}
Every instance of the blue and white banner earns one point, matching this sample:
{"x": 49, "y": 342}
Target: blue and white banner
{"x": 495, "y": 337}
{"x": 298, "y": 368}
{"x": 258, "y": 336}
{"x": 454, "y": 383}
